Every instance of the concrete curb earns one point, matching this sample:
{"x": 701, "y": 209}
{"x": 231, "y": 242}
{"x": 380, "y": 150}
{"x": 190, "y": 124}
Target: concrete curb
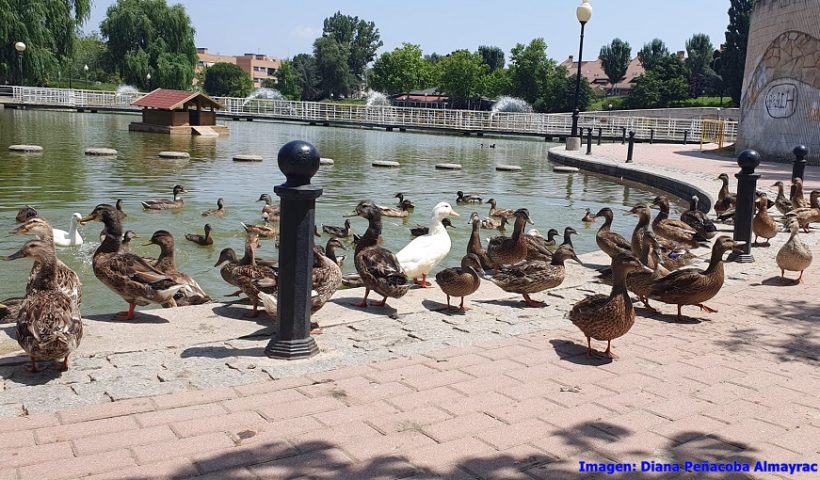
{"x": 636, "y": 173}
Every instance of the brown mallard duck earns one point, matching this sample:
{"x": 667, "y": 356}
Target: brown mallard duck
{"x": 166, "y": 263}
{"x": 794, "y": 255}
{"x": 330, "y": 251}
{"x": 378, "y": 267}
{"x": 510, "y": 250}
{"x": 608, "y": 241}
{"x": 165, "y": 204}
{"x": 227, "y": 257}
{"x": 694, "y": 286}
{"x": 499, "y": 212}
{"x": 491, "y": 223}
{"x": 265, "y": 231}
{"x": 568, "y": 233}
{"x": 270, "y": 212}
{"x": 763, "y": 224}
{"x": 805, "y": 216}
{"x": 49, "y": 324}
{"x": 607, "y": 317}
{"x": 203, "y": 240}
{"x": 588, "y": 217}
{"x": 129, "y": 235}
{"x": 535, "y": 276}
{"x": 674, "y": 230}
{"x": 641, "y": 282}
{"x": 219, "y": 211}
{"x": 128, "y": 275}
{"x": 538, "y": 247}
{"x": 797, "y": 198}
{"x": 672, "y": 255}
{"x": 402, "y": 211}
{"x": 698, "y": 220}
{"x": 783, "y": 204}
{"x": 726, "y": 200}
{"x": 474, "y": 245}
{"x": 401, "y": 199}
{"x": 250, "y": 277}
{"x": 118, "y": 206}
{"x": 462, "y": 199}
{"x": 25, "y": 213}
{"x": 420, "y": 230}
{"x": 341, "y": 232}
{"x": 460, "y": 281}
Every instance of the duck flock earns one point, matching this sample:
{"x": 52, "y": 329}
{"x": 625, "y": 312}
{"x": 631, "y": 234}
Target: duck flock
{"x": 649, "y": 265}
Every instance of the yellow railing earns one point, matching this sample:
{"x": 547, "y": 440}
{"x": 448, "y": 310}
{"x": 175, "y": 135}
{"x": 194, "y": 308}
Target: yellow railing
{"x": 712, "y": 131}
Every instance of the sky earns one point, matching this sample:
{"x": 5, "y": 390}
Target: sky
{"x": 285, "y": 28}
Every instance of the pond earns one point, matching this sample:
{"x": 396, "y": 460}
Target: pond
{"x": 63, "y": 180}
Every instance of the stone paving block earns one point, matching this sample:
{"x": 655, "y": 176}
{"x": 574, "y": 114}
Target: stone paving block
{"x": 734, "y": 411}
{"x": 184, "y": 447}
{"x": 443, "y": 456}
{"x": 801, "y": 439}
{"x": 251, "y": 402}
{"x": 300, "y": 408}
{"x": 28, "y": 422}
{"x": 242, "y": 456}
{"x": 161, "y": 417}
{"x": 630, "y": 400}
{"x": 680, "y": 407}
{"x": 461, "y": 426}
{"x": 401, "y": 373}
{"x": 375, "y": 392}
{"x": 45, "y": 398}
{"x": 341, "y": 433}
{"x": 78, "y": 430}
{"x": 324, "y": 463}
{"x": 571, "y": 417}
{"x": 272, "y": 386}
{"x": 169, "y": 469}
{"x": 357, "y": 412}
{"x": 194, "y": 397}
{"x": 480, "y": 385}
{"x": 510, "y": 351}
{"x": 281, "y": 429}
{"x": 480, "y": 403}
{"x": 514, "y": 412}
{"x": 16, "y": 439}
{"x": 338, "y": 374}
{"x": 622, "y": 426}
{"x": 689, "y": 428}
{"x": 106, "y": 410}
{"x": 436, "y": 379}
{"x": 392, "y": 444}
{"x": 78, "y": 466}
{"x": 788, "y": 415}
{"x": 515, "y": 434}
{"x": 408, "y": 421}
{"x": 492, "y": 367}
{"x": 230, "y": 423}
{"x": 456, "y": 362}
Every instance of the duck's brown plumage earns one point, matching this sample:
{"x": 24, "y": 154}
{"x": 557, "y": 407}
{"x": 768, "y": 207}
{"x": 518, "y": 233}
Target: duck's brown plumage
{"x": 270, "y": 212}
{"x": 674, "y": 230}
{"x": 219, "y": 211}
{"x": 250, "y": 277}
{"x": 474, "y": 245}
{"x": 805, "y": 216}
{"x": 499, "y": 212}
{"x": 341, "y": 232}
{"x": 608, "y": 241}
{"x": 797, "y": 198}
{"x": 166, "y": 263}
{"x": 511, "y": 250}
{"x": 794, "y": 255}
{"x": 535, "y": 276}
{"x": 726, "y": 200}
{"x": 378, "y": 267}
{"x": 781, "y": 202}
{"x": 607, "y": 317}
{"x": 403, "y": 210}
{"x": 763, "y": 224}
{"x": 165, "y": 204}
{"x": 672, "y": 255}
{"x": 698, "y": 220}
{"x": 460, "y": 281}
{"x": 203, "y": 240}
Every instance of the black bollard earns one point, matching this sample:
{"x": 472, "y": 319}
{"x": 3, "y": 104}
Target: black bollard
{"x": 651, "y": 136}
{"x": 623, "y": 135}
{"x": 748, "y": 160}
{"x": 299, "y": 161}
{"x": 631, "y": 147}
{"x": 685, "y": 136}
{"x": 589, "y": 140}
{"x": 599, "y": 135}
{"x": 799, "y": 166}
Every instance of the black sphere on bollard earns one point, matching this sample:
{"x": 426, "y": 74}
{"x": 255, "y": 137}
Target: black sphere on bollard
{"x": 748, "y": 160}
{"x": 299, "y": 161}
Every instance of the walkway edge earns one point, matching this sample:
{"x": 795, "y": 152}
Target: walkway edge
{"x": 636, "y": 173}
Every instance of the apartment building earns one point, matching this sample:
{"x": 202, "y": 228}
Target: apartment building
{"x": 259, "y": 67}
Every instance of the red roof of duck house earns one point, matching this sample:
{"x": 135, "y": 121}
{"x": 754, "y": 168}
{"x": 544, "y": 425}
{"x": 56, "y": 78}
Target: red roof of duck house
{"x": 166, "y": 99}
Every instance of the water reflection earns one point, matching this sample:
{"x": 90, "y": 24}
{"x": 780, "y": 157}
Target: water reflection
{"x": 62, "y": 180}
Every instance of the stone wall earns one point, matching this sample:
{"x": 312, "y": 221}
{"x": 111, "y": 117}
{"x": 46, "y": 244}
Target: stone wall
{"x": 780, "y": 106}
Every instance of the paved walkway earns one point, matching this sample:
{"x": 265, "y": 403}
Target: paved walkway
{"x": 512, "y": 396}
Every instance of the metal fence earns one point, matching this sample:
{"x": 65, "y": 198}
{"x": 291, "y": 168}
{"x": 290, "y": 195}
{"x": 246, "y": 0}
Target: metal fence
{"x": 665, "y": 129}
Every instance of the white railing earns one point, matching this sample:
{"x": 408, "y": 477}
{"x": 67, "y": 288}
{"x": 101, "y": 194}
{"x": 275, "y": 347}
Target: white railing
{"x": 665, "y": 129}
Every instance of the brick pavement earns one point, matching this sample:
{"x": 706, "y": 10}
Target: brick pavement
{"x": 742, "y": 384}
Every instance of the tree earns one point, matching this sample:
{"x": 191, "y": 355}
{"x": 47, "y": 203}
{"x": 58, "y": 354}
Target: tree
{"x": 462, "y": 76}
{"x": 497, "y": 83}
{"x": 148, "y": 36}
{"x": 651, "y": 52}
{"x": 335, "y": 77}
{"x": 699, "y": 56}
{"x": 89, "y": 50}
{"x": 49, "y": 30}
{"x": 559, "y": 93}
{"x": 492, "y": 56}
{"x": 529, "y": 69}
{"x": 615, "y": 60}
{"x": 360, "y": 40}
{"x": 661, "y": 86}
{"x": 401, "y": 70}
{"x": 733, "y": 58}
{"x": 227, "y": 80}
{"x": 305, "y": 67}
{"x": 288, "y": 81}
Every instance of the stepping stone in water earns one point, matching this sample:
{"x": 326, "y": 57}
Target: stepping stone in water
{"x": 101, "y": 152}
{"x": 385, "y": 163}
{"x": 563, "y": 169}
{"x": 247, "y": 158}
{"x": 26, "y": 148}
{"x": 170, "y": 154}
{"x": 507, "y": 168}
{"x": 326, "y": 161}
{"x": 448, "y": 166}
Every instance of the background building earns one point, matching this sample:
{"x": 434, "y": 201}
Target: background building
{"x": 259, "y": 67}
{"x": 595, "y": 75}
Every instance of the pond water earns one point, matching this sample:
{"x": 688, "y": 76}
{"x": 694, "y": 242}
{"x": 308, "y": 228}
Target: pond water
{"x": 62, "y": 180}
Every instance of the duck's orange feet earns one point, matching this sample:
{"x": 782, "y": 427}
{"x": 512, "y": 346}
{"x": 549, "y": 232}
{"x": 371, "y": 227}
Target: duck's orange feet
{"x": 532, "y": 303}
{"x": 383, "y": 303}
{"x": 707, "y": 309}
{"x": 129, "y": 315}
{"x": 363, "y": 303}
{"x": 61, "y": 365}
{"x": 32, "y": 368}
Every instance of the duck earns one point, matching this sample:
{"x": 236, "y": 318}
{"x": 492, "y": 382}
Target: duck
{"x": 401, "y": 198}
{"x": 166, "y": 263}
{"x": 272, "y": 211}
{"x": 797, "y": 198}
{"x": 379, "y": 269}
{"x": 550, "y": 240}
{"x": 568, "y": 233}
{"x": 250, "y": 278}
{"x": 227, "y": 257}
{"x": 763, "y": 224}
{"x": 49, "y": 324}
{"x": 474, "y": 245}
{"x": 588, "y": 217}
{"x": 126, "y": 274}
{"x": 118, "y": 206}
{"x": 608, "y": 241}
{"x": 490, "y": 223}
{"x": 511, "y": 250}
{"x": 419, "y": 257}
{"x": 129, "y": 235}
{"x": 203, "y": 240}
{"x": 692, "y": 286}
{"x": 464, "y": 199}
{"x": 805, "y": 216}
{"x": 330, "y": 251}
{"x": 533, "y": 276}
{"x": 640, "y": 282}
{"x": 499, "y": 212}
{"x": 219, "y": 211}
{"x": 726, "y": 200}
{"x": 165, "y": 204}
{"x": 698, "y": 220}
{"x": 25, "y": 213}
{"x": 265, "y": 231}
{"x": 460, "y": 281}
{"x": 674, "y": 230}
{"x": 607, "y": 317}
{"x": 420, "y": 230}
{"x": 783, "y": 204}
{"x": 672, "y": 255}
{"x": 67, "y": 279}
{"x": 401, "y": 212}
{"x": 72, "y": 237}
{"x": 538, "y": 247}
{"x": 341, "y": 232}
{"x": 794, "y": 255}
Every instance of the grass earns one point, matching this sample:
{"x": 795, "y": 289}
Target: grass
{"x": 618, "y": 103}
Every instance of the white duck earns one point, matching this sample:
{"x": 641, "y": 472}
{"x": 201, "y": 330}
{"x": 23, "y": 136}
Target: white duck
{"x": 72, "y": 236}
{"x": 423, "y": 253}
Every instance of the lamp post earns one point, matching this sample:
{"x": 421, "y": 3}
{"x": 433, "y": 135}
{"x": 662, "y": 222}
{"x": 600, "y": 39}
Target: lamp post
{"x": 20, "y": 47}
{"x": 583, "y": 13}
{"x": 148, "y": 80}
{"x": 85, "y": 69}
